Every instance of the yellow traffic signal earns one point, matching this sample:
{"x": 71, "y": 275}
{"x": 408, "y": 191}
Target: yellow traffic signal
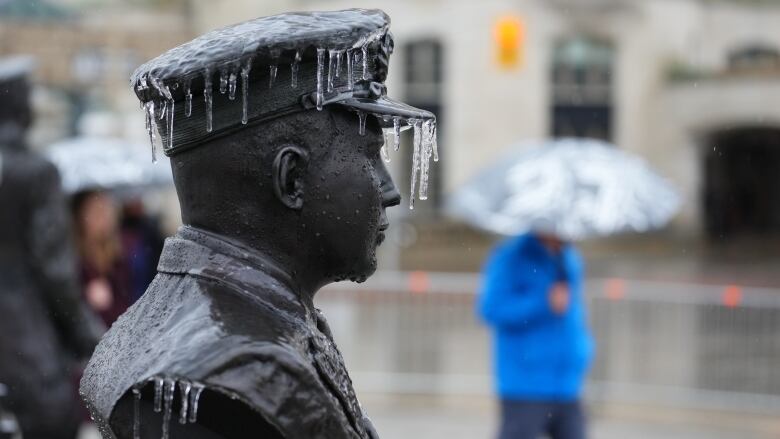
{"x": 509, "y": 33}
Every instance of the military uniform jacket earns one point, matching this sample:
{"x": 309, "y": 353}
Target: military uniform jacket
{"x": 219, "y": 315}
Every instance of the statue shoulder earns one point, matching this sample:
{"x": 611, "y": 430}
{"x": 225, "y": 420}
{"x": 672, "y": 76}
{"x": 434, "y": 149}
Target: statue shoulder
{"x": 283, "y": 385}
{"x": 177, "y": 409}
{"x": 270, "y": 391}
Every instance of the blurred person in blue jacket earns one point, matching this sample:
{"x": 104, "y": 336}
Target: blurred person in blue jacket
{"x": 532, "y": 299}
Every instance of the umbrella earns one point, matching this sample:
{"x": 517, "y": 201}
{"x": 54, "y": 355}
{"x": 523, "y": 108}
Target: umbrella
{"x": 107, "y": 163}
{"x": 573, "y": 188}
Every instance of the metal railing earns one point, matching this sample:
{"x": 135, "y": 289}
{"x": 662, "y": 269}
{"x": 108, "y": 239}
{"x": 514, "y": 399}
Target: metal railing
{"x": 699, "y": 346}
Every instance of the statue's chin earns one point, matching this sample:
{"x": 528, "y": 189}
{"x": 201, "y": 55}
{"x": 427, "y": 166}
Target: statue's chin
{"x": 362, "y": 279}
{"x": 367, "y": 273}
{"x": 361, "y": 273}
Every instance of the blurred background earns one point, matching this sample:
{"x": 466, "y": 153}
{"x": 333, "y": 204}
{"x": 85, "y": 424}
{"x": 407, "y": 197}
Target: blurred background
{"x": 686, "y": 319}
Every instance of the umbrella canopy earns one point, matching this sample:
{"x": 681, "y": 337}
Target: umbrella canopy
{"x": 107, "y": 163}
{"x": 572, "y": 188}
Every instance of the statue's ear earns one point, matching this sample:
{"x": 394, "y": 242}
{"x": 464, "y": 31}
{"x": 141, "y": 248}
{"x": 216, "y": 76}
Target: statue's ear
{"x": 288, "y": 174}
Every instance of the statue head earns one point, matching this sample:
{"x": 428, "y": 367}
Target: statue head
{"x": 16, "y": 114}
{"x": 274, "y": 128}
{"x": 306, "y": 189}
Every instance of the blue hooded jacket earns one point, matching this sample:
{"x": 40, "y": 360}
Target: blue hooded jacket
{"x": 539, "y": 355}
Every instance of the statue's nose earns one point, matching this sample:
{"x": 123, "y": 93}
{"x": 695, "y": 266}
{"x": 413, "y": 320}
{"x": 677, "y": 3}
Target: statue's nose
{"x": 390, "y": 194}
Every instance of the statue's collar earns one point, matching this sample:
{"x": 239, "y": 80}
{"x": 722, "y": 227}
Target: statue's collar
{"x": 200, "y": 252}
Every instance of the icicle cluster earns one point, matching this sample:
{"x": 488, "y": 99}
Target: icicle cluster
{"x": 358, "y": 54}
{"x": 336, "y": 60}
{"x": 229, "y": 74}
{"x": 164, "y": 395}
{"x": 425, "y": 144}
{"x": 424, "y": 147}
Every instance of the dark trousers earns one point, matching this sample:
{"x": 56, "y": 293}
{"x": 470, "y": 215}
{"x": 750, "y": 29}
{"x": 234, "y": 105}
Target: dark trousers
{"x": 535, "y": 419}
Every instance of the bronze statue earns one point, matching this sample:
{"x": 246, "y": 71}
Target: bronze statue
{"x": 283, "y": 189}
{"x": 44, "y": 325}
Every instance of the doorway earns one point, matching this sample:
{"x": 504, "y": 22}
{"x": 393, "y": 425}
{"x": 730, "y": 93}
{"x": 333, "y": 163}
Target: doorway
{"x": 742, "y": 184}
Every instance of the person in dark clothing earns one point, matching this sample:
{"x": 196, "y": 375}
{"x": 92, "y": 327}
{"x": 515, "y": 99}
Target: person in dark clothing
{"x": 104, "y": 276}
{"x": 532, "y": 299}
{"x": 142, "y": 243}
{"x": 43, "y": 323}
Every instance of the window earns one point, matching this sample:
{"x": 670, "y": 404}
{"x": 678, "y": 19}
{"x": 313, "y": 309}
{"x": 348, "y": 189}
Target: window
{"x": 582, "y": 89}
{"x": 754, "y": 58}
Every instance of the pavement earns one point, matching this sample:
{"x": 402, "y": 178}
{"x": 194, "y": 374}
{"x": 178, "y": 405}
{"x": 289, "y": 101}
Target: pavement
{"x": 413, "y": 417}
{"x": 458, "y": 418}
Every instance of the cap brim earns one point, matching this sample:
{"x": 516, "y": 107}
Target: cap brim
{"x": 387, "y": 109}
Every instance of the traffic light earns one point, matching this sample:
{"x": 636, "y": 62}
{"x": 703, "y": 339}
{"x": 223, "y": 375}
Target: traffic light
{"x": 509, "y": 33}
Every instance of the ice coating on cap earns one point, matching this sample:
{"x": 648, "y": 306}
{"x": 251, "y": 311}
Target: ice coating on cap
{"x": 265, "y": 37}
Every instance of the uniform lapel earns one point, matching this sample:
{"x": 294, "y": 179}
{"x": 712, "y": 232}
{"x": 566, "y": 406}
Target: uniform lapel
{"x": 330, "y": 366}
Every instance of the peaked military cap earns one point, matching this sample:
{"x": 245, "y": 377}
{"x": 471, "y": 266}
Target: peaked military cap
{"x": 260, "y": 69}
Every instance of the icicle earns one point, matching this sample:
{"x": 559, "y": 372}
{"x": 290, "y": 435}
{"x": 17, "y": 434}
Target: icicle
{"x": 332, "y": 55}
{"x": 385, "y": 156}
{"x": 169, "y": 121}
{"x": 294, "y": 69}
{"x": 166, "y": 113}
{"x": 350, "y": 69}
{"x": 194, "y": 397}
{"x": 397, "y": 132}
{"x": 427, "y": 148}
{"x": 272, "y": 75}
{"x": 168, "y": 391}
{"x": 184, "y": 390}
{"x": 136, "y": 412}
{"x": 435, "y": 142}
{"x": 207, "y": 97}
{"x": 151, "y": 126}
{"x": 165, "y": 91}
{"x": 365, "y": 61}
{"x": 415, "y": 159}
{"x": 223, "y": 80}
{"x": 155, "y": 83}
{"x": 187, "y": 99}
{"x": 339, "y": 55}
{"x": 245, "y": 90}
{"x": 163, "y": 111}
{"x": 144, "y": 85}
{"x": 362, "y": 123}
{"x": 158, "y": 389}
{"x": 232, "y": 86}
{"x": 320, "y": 69}
{"x": 148, "y": 115}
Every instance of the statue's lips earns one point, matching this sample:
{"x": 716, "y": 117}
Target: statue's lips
{"x": 380, "y": 236}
